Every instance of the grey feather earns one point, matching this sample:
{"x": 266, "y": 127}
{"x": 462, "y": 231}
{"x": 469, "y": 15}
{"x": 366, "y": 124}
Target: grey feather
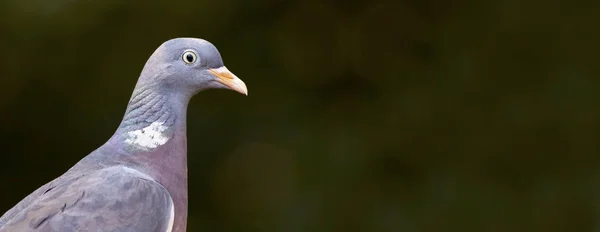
{"x": 110, "y": 199}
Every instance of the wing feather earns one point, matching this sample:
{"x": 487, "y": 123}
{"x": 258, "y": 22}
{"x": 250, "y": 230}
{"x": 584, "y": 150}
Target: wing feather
{"x": 110, "y": 199}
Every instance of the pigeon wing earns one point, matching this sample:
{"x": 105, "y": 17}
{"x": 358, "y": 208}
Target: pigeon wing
{"x": 111, "y": 199}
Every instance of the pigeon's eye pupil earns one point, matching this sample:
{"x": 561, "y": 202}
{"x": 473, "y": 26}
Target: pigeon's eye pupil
{"x": 189, "y": 57}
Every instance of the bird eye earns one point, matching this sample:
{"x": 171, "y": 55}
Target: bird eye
{"x": 189, "y": 57}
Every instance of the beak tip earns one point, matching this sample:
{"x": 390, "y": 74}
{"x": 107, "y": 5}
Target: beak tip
{"x": 239, "y": 89}
{"x": 242, "y": 88}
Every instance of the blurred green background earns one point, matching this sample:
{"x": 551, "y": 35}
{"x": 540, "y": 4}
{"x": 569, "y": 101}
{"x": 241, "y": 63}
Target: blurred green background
{"x": 361, "y": 116}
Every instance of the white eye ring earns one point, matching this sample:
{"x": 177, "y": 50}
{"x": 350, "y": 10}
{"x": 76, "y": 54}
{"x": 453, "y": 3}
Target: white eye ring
{"x": 189, "y": 57}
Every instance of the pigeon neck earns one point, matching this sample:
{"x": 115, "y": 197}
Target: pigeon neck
{"x": 152, "y": 138}
{"x": 148, "y": 107}
{"x": 152, "y": 134}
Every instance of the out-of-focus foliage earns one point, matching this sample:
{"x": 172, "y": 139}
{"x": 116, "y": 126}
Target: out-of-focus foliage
{"x": 361, "y": 116}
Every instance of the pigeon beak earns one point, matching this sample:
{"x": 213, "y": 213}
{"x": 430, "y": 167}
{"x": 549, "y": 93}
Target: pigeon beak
{"x": 227, "y": 78}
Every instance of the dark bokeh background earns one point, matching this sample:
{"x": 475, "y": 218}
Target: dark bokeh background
{"x": 361, "y": 116}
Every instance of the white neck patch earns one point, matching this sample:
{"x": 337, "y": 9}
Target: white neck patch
{"x": 149, "y": 137}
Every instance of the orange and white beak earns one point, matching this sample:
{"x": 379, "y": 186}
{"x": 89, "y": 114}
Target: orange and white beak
{"x": 227, "y": 78}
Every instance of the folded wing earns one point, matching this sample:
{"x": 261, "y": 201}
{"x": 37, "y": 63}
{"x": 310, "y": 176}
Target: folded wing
{"x": 110, "y": 199}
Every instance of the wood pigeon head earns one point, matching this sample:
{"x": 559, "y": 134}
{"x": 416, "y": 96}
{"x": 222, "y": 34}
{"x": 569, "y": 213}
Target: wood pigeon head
{"x": 189, "y": 65}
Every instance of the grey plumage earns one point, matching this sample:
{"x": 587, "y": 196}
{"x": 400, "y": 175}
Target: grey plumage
{"x": 137, "y": 180}
{"x": 90, "y": 203}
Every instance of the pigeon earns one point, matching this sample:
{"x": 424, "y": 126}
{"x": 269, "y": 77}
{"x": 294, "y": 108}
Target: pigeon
{"x": 137, "y": 180}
